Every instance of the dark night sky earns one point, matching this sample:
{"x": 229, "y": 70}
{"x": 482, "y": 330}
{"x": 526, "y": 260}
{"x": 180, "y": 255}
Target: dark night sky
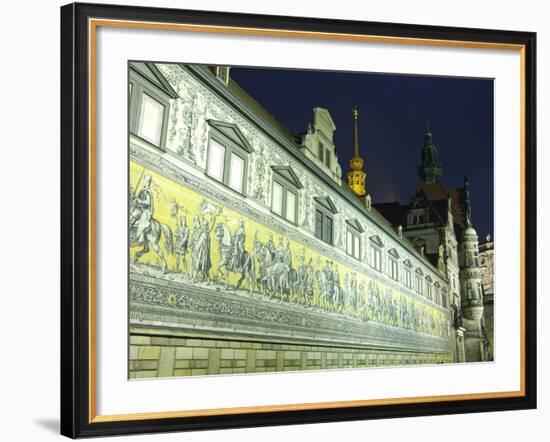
{"x": 393, "y": 110}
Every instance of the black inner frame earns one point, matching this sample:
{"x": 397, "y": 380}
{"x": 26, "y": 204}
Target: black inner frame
{"x": 75, "y": 220}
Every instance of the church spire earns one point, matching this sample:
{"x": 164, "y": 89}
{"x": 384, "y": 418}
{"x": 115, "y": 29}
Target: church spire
{"x": 430, "y": 170}
{"x": 467, "y": 201}
{"x": 356, "y": 176}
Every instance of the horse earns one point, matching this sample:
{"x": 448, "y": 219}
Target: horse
{"x": 151, "y": 237}
{"x": 245, "y": 266}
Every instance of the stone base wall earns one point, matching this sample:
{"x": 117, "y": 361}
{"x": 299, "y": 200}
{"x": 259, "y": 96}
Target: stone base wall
{"x": 159, "y": 356}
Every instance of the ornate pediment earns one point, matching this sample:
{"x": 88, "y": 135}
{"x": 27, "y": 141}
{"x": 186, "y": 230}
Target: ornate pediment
{"x": 354, "y": 223}
{"x": 377, "y": 240}
{"x": 393, "y": 252}
{"x": 327, "y": 203}
{"x": 232, "y": 132}
{"x": 152, "y": 73}
{"x": 288, "y": 174}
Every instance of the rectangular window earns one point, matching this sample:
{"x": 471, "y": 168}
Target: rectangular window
{"x": 429, "y": 290}
{"x": 393, "y": 270}
{"x": 277, "y": 199}
{"x": 419, "y": 285}
{"x": 291, "y": 206}
{"x": 216, "y": 160}
{"x": 375, "y": 258}
{"x": 353, "y": 242}
{"x": 319, "y": 224}
{"x": 236, "y": 173}
{"x": 444, "y": 299}
{"x": 408, "y": 280}
{"x": 284, "y": 199}
{"x": 324, "y": 222}
{"x": 150, "y": 120}
{"x": 227, "y": 164}
{"x": 327, "y": 237}
{"x": 321, "y": 151}
{"x": 357, "y": 247}
{"x": 327, "y": 158}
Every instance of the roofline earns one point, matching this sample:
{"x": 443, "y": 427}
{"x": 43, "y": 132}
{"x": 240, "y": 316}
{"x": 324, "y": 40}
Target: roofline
{"x": 204, "y": 75}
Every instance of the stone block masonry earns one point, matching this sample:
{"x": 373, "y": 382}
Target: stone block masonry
{"x": 159, "y": 356}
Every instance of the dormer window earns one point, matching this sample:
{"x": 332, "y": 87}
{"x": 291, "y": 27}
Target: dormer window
{"x": 222, "y": 72}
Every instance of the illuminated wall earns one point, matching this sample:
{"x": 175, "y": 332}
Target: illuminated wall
{"x": 304, "y": 281}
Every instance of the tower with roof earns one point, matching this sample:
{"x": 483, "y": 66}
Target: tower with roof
{"x": 356, "y": 176}
{"x": 438, "y": 220}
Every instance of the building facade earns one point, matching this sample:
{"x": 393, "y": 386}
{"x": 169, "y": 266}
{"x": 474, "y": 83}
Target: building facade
{"x": 487, "y": 264}
{"x": 248, "y": 252}
{"x": 438, "y": 220}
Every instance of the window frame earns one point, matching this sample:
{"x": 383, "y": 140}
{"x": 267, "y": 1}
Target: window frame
{"x": 429, "y": 288}
{"x": 287, "y": 187}
{"x": 230, "y": 148}
{"x": 355, "y": 234}
{"x": 375, "y": 252}
{"x": 407, "y": 276}
{"x": 139, "y": 85}
{"x": 419, "y": 282}
{"x": 327, "y": 214}
{"x": 328, "y": 159}
{"x": 394, "y": 268}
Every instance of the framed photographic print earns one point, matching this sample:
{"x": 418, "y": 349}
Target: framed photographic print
{"x": 278, "y": 220}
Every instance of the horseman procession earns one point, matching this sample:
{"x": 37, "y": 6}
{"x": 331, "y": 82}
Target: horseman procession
{"x": 267, "y": 269}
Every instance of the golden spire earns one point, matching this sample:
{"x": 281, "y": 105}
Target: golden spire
{"x": 356, "y": 177}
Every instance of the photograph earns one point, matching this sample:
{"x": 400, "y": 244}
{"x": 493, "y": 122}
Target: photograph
{"x": 298, "y": 219}
{"x": 274, "y": 220}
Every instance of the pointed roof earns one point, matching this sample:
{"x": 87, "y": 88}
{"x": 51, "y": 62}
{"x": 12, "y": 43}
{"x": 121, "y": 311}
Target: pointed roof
{"x": 430, "y": 169}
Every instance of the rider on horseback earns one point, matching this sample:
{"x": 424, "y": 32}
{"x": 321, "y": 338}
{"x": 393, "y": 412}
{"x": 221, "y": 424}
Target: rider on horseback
{"x": 142, "y": 212}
